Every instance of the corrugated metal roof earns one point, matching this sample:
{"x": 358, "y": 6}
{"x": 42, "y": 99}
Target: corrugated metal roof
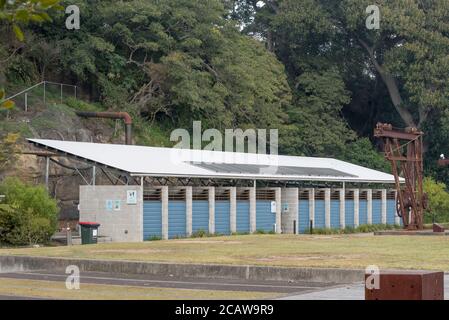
{"x": 282, "y": 170}
{"x": 171, "y": 162}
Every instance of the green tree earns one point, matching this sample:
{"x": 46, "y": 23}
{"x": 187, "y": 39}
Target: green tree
{"x": 18, "y": 12}
{"x": 438, "y": 200}
{"x": 397, "y": 74}
{"x": 174, "y": 61}
{"x": 28, "y": 215}
{"x": 408, "y": 53}
{"x": 361, "y": 152}
{"x": 4, "y": 103}
{"x": 9, "y": 149}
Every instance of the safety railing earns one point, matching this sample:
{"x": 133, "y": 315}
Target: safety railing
{"x": 46, "y": 85}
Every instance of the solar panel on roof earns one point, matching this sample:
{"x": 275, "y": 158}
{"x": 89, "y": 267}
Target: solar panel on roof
{"x": 164, "y": 162}
{"x": 261, "y": 169}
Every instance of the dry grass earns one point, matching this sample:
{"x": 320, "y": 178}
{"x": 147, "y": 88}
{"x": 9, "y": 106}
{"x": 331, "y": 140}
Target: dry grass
{"x": 57, "y": 290}
{"x": 341, "y": 251}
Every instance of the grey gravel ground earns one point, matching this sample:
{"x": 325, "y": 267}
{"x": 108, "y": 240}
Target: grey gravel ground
{"x": 346, "y": 292}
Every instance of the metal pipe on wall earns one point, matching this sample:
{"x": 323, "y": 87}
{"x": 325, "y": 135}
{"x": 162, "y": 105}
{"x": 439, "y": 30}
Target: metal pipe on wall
{"x": 112, "y": 115}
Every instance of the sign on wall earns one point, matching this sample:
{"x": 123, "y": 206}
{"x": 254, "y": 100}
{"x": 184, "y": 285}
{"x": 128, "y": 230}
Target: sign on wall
{"x": 131, "y": 197}
{"x": 117, "y": 205}
{"x": 109, "y": 205}
{"x": 273, "y": 206}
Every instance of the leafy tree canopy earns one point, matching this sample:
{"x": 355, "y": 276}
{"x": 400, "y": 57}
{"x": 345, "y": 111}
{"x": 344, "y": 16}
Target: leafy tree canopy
{"x": 438, "y": 200}
{"x": 28, "y": 215}
{"x": 177, "y": 59}
{"x": 18, "y": 12}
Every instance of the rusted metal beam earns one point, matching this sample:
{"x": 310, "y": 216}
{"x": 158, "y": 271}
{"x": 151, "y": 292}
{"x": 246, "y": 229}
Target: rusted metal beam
{"x": 443, "y": 162}
{"x": 411, "y": 200}
{"x": 41, "y": 153}
{"x": 112, "y": 115}
{"x": 385, "y": 130}
{"x": 396, "y": 158}
{"x": 397, "y": 135}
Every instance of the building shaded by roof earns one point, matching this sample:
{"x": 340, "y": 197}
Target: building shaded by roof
{"x": 142, "y": 161}
{"x": 163, "y": 193}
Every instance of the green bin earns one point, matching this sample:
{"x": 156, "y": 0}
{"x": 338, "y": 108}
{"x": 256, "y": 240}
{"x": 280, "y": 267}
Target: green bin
{"x": 89, "y": 232}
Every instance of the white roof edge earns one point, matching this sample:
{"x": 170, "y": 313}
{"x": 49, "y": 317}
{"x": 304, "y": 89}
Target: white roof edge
{"x": 158, "y": 162}
{"x": 287, "y": 178}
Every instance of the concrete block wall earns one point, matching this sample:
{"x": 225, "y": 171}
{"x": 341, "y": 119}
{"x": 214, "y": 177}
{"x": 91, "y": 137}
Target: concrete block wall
{"x": 233, "y": 208}
{"x": 124, "y": 225}
{"x": 290, "y": 194}
{"x": 289, "y": 209}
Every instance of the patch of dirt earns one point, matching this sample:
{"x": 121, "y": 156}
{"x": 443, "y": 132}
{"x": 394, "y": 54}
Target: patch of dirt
{"x": 128, "y": 251}
{"x": 309, "y": 257}
{"x": 209, "y": 242}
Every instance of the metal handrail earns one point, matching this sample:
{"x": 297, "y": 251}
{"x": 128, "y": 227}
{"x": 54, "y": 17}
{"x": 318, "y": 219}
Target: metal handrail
{"x": 38, "y": 84}
{"x": 26, "y": 90}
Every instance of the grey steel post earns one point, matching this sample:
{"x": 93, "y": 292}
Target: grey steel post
{"x": 164, "y": 212}
{"x": 45, "y": 93}
{"x": 61, "y": 92}
{"x": 252, "y": 209}
{"x": 47, "y": 169}
{"x": 94, "y": 173}
{"x": 189, "y": 207}
{"x": 211, "y": 197}
{"x": 26, "y": 101}
{"x": 69, "y": 236}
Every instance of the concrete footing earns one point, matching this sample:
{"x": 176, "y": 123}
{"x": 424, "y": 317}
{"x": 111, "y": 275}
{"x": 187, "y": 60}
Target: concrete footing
{"x": 410, "y": 233}
{"x": 26, "y": 263}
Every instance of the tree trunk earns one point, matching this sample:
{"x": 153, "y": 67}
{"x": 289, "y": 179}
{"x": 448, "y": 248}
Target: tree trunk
{"x": 270, "y": 45}
{"x": 392, "y": 87}
{"x": 395, "y": 96}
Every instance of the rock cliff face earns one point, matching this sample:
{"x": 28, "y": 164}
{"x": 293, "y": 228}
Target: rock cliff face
{"x": 58, "y": 122}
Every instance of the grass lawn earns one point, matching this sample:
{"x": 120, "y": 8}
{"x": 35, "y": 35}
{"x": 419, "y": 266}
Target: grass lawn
{"x": 340, "y": 251}
{"x": 57, "y": 290}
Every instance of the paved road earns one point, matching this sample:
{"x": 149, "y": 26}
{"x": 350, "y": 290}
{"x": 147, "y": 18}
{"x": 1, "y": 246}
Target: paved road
{"x": 3, "y": 297}
{"x": 302, "y": 290}
{"x": 347, "y": 292}
{"x": 282, "y": 287}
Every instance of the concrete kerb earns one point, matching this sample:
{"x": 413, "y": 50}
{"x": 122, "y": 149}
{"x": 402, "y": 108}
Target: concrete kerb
{"x": 257, "y": 273}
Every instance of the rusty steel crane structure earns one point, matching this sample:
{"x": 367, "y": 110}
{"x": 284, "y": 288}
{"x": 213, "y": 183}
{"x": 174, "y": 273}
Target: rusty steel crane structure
{"x": 404, "y": 150}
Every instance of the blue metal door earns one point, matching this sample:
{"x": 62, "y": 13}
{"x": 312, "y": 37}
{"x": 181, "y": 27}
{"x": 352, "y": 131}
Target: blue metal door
{"x": 320, "y": 214}
{"x": 391, "y": 211}
{"x": 265, "y": 219}
{"x": 242, "y": 218}
{"x": 200, "y": 215}
{"x": 176, "y": 219}
{"x": 303, "y": 216}
{"x": 377, "y": 211}
{"x": 335, "y": 214}
{"x": 363, "y": 212}
{"x": 222, "y": 217}
{"x": 349, "y": 213}
{"x": 152, "y": 219}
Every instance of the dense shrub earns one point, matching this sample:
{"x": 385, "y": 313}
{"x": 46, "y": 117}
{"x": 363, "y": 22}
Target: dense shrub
{"x": 154, "y": 238}
{"x": 438, "y": 201}
{"x": 28, "y": 215}
{"x": 364, "y": 228}
{"x": 261, "y": 231}
{"x": 200, "y": 234}
{"x": 240, "y": 233}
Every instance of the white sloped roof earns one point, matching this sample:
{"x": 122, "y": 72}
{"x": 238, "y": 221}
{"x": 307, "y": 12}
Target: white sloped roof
{"x": 170, "y": 162}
